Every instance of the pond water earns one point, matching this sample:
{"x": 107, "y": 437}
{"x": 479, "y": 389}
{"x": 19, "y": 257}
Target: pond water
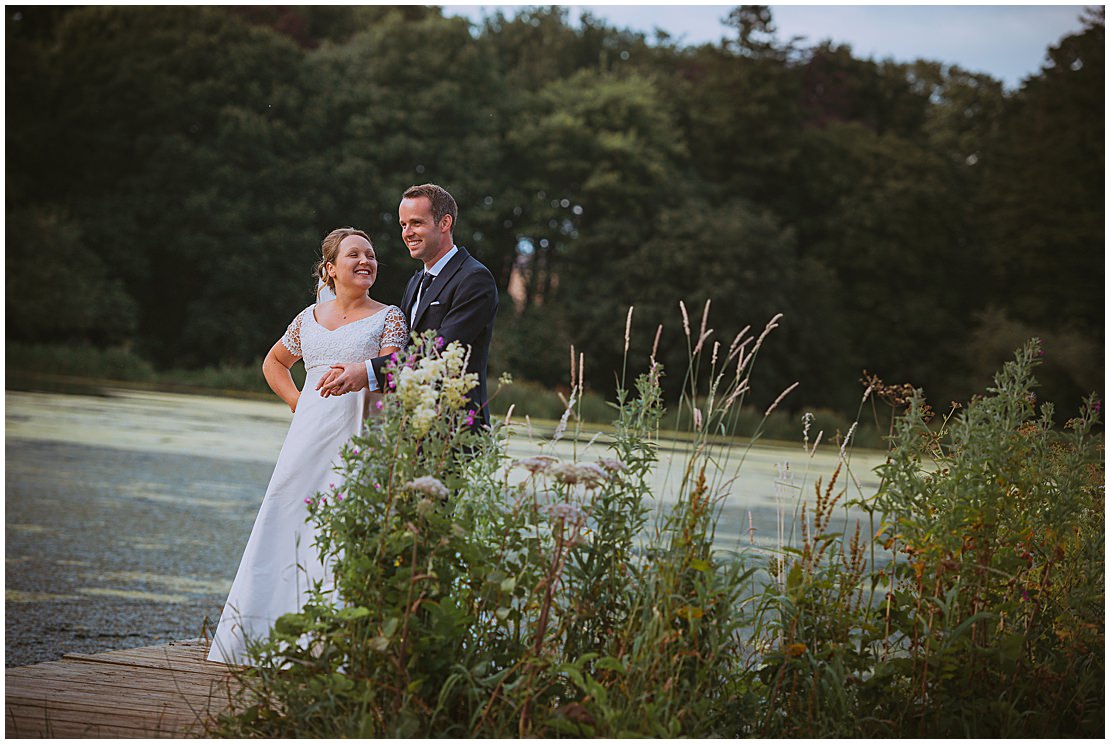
{"x": 127, "y": 512}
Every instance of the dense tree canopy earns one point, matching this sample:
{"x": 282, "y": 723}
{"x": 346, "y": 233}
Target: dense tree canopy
{"x": 171, "y": 171}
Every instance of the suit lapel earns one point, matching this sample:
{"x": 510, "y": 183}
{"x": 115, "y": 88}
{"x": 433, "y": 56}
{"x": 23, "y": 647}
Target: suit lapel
{"x": 440, "y": 282}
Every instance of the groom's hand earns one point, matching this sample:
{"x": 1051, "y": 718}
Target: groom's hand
{"x": 342, "y": 378}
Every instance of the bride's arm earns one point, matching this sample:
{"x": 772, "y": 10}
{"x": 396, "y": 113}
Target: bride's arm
{"x": 276, "y": 370}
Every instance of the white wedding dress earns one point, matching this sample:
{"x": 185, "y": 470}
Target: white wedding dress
{"x": 280, "y": 563}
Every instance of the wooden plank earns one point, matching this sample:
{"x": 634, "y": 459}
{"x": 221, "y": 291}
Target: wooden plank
{"x": 207, "y": 668}
{"x": 163, "y": 691}
{"x": 165, "y": 720}
{"x": 113, "y": 679}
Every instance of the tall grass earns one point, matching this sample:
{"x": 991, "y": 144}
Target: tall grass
{"x": 473, "y": 596}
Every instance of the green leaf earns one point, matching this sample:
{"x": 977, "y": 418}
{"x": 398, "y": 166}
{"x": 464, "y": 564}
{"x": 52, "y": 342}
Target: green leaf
{"x": 608, "y": 662}
{"x": 353, "y": 613}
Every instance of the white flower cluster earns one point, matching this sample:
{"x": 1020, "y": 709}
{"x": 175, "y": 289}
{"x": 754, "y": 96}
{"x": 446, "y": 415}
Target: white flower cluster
{"x": 430, "y": 485}
{"x": 566, "y": 512}
{"x": 536, "y": 464}
{"x": 436, "y": 385}
{"x": 589, "y": 474}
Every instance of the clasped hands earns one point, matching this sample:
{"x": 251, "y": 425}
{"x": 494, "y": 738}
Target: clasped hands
{"x": 342, "y": 379}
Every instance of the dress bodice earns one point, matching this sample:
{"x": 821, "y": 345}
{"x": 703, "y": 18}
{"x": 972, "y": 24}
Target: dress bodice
{"x": 356, "y": 341}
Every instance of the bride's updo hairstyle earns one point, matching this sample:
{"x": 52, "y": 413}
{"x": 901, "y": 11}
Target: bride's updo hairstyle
{"x": 329, "y": 251}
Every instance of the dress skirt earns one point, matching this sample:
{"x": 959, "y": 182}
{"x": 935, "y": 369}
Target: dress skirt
{"x": 280, "y": 563}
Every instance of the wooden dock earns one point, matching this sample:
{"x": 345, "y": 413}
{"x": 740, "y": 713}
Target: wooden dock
{"x": 167, "y": 691}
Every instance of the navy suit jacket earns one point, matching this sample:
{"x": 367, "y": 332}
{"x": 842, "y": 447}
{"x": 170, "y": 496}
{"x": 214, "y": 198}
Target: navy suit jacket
{"x": 460, "y": 305}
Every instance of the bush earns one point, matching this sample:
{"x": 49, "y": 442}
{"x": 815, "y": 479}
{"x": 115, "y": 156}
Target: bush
{"x": 474, "y": 597}
{"x": 985, "y": 617}
{"x": 78, "y": 360}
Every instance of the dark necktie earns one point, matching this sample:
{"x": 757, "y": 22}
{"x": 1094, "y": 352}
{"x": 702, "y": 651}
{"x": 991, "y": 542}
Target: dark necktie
{"x": 425, "y": 282}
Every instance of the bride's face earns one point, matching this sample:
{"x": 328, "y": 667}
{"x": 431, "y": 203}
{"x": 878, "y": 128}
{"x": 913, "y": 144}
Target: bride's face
{"x": 355, "y": 265}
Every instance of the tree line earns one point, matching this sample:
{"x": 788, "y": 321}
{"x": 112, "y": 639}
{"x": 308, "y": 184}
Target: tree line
{"x": 171, "y": 171}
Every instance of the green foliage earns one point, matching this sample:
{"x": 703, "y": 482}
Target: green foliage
{"x": 471, "y": 596}
{"x": 987, "y": 618}
{"x": 474, "y": 599}
{"x": 32, "y": 362}
{"x": 93, "y": 310}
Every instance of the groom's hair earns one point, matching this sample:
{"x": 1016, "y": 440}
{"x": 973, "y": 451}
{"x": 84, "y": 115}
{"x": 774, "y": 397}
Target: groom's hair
{"x": 442, "y": 202}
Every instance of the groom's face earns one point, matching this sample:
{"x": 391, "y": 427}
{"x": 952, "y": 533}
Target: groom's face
{"x": 427, "y": 241}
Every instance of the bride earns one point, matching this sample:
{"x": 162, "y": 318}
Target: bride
{"x": 280, "y": 562}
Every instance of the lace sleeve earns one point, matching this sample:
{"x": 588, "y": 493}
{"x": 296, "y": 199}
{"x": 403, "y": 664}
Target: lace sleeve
{"x": 396, "y": 330}
{"x": 292, "y": 338}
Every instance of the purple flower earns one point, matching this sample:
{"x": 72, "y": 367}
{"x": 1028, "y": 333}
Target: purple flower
{"x": 308, "y": 501}
{"x": 394, "y": 356}
{"x": 439, "y": 342}
{"x": 470, "y": 418}
{"x": 338, "y": 497}
{"x": 379, "y": 405}
{"x": 377, "y": 486}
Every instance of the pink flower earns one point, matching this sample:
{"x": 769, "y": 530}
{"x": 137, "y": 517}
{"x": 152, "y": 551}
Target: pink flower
{"x": 339, "y": 497}
{"x": 308, "y": 501}
{"x": 379, "y": 405}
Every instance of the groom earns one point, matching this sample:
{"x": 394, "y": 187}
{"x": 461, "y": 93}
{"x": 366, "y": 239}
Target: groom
{"x": 454, "y": 294}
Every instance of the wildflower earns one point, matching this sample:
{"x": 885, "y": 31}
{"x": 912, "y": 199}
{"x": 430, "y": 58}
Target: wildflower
{"x": 566, "y": 472}
{"x": 565, "y": 511}
{"x": 591, "y": 474}
{"x": 505, "y": 379}
{"x": 439, "y": 342}
{"x": 379, "y": 405}
{"x": 535, "y": 464}
{"x": 377, "y": 486}
{"x": 469, "y": 421}
{"x": 308, "y": 501}
{"x": 613, "y": 466}
{"x": 429, "y": 485}
{"x": 338, "y": 497}
{"x": 794, "y": 650}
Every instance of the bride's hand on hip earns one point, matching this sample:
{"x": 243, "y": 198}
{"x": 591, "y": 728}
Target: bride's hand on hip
{"x": 343, "y": 378}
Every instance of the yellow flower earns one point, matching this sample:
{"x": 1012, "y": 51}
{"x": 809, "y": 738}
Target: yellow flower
{"x": 795, "y": 650}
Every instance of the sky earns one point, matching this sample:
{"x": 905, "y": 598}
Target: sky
{"x": 1008, "y": 42}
